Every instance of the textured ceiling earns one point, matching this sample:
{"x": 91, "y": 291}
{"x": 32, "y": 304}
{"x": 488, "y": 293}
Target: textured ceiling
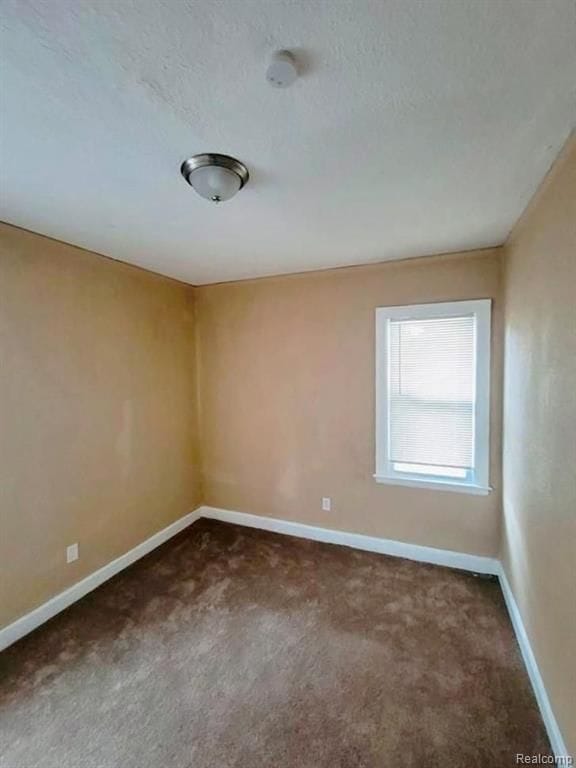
{"x": 417, "y": 126}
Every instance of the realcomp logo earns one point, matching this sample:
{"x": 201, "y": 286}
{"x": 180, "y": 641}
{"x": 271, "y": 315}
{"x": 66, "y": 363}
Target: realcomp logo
{"x": 559, "y": 760}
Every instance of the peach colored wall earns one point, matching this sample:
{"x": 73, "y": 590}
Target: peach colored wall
{"x": 286, "y": 372}
{"x": 539, "y": 526}
{"x": 98, "y": 435}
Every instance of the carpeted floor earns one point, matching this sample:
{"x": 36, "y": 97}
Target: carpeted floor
{"x": 235, "y": 648}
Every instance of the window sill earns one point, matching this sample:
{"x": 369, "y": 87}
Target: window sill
{"x": 437, "y": 485}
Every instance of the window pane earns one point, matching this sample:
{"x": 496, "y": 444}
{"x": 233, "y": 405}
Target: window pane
{"x": 431, "y": 391}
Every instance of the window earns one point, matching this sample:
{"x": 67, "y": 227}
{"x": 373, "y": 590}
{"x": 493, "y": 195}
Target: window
{"x": 432, "y": 395}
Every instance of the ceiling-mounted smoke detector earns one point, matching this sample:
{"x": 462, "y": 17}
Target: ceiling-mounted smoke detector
{"x": 282, "y": 70}
{"x": 215, "y": 177}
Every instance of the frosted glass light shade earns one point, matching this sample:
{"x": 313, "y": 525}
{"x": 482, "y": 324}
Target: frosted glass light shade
{"x": 215, "y": 177}
{"x": 215, "y": 183}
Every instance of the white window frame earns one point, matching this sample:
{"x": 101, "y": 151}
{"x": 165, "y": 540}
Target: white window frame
{"x": 477, "y": 480}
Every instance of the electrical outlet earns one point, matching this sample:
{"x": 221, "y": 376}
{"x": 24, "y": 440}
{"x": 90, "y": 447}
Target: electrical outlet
{"x": 72, "y": 553}
{"x": 326, "y": 503}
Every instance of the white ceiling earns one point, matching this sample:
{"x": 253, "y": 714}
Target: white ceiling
{"x": 417, "y": 126}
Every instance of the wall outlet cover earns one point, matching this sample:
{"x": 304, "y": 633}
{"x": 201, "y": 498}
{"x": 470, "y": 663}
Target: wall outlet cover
{"x": 72, "y": 553}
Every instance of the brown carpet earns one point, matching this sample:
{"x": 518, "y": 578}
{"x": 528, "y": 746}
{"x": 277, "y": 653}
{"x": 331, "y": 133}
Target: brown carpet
{"x": 235, "y": 648}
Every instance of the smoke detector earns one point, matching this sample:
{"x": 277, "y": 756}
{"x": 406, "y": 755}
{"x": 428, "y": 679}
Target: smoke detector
{"x": 282, "y": 70}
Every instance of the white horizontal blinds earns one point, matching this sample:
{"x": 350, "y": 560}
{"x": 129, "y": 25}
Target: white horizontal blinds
{"x": 431, "y": 391}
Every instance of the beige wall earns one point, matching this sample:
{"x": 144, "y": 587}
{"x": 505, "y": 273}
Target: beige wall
{"x": 539, "y": 527}
{"x": 98, "y": 436}
{"x": 287, "y": 400}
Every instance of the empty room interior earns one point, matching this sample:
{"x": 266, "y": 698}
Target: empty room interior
{"x": 287, "y": 383}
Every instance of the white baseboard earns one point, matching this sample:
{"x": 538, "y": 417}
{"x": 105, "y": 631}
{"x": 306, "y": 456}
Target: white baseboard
{"x": 555, "y": 736}
{"x": 475, "y": 563}
{"x": 38, "y": 616}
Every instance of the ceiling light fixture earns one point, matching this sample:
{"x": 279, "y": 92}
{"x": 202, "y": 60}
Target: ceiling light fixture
{"x": 215, "y": 177}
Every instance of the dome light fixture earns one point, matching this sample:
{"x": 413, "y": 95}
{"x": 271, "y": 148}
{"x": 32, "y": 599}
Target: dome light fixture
{"x": 215, "y": 177}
